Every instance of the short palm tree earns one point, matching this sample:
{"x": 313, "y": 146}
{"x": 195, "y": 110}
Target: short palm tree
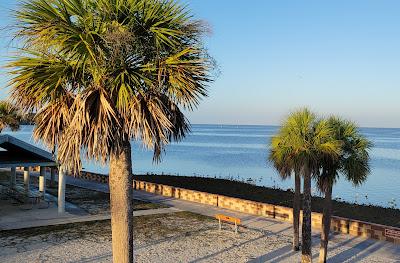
{"x": 281, "y": 156}
{"x": 102, "y": 72}
{"x": 353, "y": 163}
{"x": 306, "y": 140}
{"x": 9, "y": 116}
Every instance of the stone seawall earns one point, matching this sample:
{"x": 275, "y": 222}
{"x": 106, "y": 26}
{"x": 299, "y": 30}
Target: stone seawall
{"x": 338, "y": 224}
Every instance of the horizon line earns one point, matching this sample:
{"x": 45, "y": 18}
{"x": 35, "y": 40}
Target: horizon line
{"x": 277, "y": 125}
{"x": 273, "y": 125}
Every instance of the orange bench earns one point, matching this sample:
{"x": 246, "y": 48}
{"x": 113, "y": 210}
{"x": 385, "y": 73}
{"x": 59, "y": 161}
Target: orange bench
{"x": 229, "y": 219}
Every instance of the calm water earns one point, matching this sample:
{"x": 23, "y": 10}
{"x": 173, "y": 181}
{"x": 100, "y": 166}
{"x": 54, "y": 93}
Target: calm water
{"x": 240, "y": 152}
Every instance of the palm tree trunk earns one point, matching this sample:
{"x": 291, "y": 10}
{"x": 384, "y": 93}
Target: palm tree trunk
{"x": 120, "y": 182}
{"x": 52, "y": 177}
{"x": 306, "y": 256}
{"x": 296, "y": 211}
{"x": 326, "y": 225}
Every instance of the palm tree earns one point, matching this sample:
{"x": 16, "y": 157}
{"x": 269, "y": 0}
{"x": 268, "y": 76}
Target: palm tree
{"x": 353, "y": 163}
{"x": 282, "y": 159}
{"x": 102, "y": 72}
{"x": 306, "y": 139}
{"x": 9, "y": 116}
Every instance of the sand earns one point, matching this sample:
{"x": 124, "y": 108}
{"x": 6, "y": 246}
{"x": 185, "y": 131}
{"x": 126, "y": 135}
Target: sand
{"x": 176, "y": 237}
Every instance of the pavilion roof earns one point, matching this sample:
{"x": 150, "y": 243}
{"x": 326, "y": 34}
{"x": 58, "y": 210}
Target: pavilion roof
{"x": 15, "y": 153}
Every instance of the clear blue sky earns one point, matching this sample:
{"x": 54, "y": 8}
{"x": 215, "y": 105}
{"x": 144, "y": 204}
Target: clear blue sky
{"x": 339, "y": 57}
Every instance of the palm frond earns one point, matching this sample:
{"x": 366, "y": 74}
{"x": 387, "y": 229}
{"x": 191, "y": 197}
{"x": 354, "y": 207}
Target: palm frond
{"x": 10, "y": 116}
{"x": 352, "y": 160}
{"x": 100, "y": 73}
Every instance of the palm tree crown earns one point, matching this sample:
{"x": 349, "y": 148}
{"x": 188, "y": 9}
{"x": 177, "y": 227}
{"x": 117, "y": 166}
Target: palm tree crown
{"x": 353, "y": 160}
{"x": 100, "y": 72}
{"x": 301, "y": 141}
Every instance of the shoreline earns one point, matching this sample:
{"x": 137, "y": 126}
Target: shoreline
{"x": 242, "y": 190}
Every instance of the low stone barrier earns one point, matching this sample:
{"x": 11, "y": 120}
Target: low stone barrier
{"x": 100, "y": 178}
{"x": 375, "y": 231}
{"x": 338, "y": 224}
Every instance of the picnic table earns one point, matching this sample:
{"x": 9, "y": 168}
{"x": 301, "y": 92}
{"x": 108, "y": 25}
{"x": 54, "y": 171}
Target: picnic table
{"x": 22, "y": 194}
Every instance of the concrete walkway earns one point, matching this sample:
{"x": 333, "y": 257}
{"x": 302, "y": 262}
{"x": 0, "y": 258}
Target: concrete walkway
{"x": 350, "y": 245}
{"x": 57, "y": 219}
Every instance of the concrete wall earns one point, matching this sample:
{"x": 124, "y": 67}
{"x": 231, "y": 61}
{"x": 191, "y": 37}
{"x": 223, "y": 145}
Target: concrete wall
{"x": 338, "y": 224}
{"x": 100, "y": 178}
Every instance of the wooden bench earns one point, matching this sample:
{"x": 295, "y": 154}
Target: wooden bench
{"x": 229, "y": 219}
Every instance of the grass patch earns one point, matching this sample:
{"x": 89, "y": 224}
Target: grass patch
{"x": 4, "y": 176}
{"x": 168, "y": 225}
{"x": 96, "y": 202}
{"x": 76, "y": 229}
{"x": 142, "y": 205}
{"x": 369, "y": 213}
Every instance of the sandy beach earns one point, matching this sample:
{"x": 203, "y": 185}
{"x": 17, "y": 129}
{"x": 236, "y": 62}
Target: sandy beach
{"x": 175, "y": 237}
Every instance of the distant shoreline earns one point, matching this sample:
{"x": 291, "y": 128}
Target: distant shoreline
{"x": 252, "y": 125}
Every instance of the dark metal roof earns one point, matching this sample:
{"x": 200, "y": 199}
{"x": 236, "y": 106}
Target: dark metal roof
{"x": 15, "y": 152}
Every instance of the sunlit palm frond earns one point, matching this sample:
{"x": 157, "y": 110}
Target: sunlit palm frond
{"x": 39, "y": 78}
{"x": 303, "y": 141}
{"x": 10, "y": 116}
{"x": 51, "y": 121}
{"x": 184, "y": 75}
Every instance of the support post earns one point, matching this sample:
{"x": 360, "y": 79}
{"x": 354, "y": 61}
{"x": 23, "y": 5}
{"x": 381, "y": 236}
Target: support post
{"x": 42, "y": 179}
{"x": 26, "y": 178}
{"x": 61, "y": 190}
{"x": 13, "y": 178}
{"x": 52, "y": 176}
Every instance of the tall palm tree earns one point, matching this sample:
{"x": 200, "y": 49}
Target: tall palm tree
{"x": 306, "y": 140}
{"x": 102, "y": 72}
{"x": 9, "y": 116}
{"x": 281, "y": 155}
{"x": 353, "y": 163}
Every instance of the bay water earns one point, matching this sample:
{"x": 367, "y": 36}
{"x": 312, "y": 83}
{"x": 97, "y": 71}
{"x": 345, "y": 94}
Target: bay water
{"x": 239, "y": 152}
